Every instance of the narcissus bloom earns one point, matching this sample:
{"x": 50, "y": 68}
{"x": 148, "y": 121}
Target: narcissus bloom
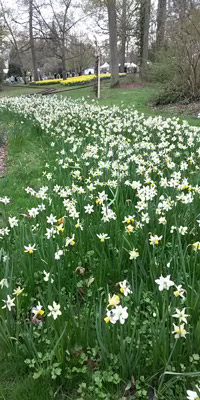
{"x": 133, "y": 254}
{"x": 18, "y": 291}
{"x": 125, "y": 288}
{"x": 55, "y": 310}
{"x": 179, "y": 291}
{"x": 103, "y": 236}
{"x": 9, "y": 303}
{"x": 37, "y": 311}
{"x": 180, "y": 314}
{"x": 30, "y": 248}
{"x": 164, "y": 283}
{"x": 4, "y": 282}
{"x": 196, "y": 246}
{"x": 116, "y": 314}
{"x": 191, "y": 395}
{"x": 154, "y": 240}
{"x": 179, "y": 331}
{"x": 113, "y": 301}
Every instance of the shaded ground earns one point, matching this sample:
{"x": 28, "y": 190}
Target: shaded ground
{"x": 132, "y": 85}
{"x": 3, "y": 155}
{"x": 191, "y": 109}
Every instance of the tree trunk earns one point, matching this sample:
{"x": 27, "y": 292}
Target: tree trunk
{"x": 146, "y": 8}
{"x": 31, "y": 39}
{"x": 161, "y": 19}
{"x": 112, "y": 23}
{"x": 64, "y": 74}
{"x": 123, "y": 36}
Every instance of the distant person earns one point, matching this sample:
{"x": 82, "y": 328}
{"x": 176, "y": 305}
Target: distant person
{"x": 30, "y": 77}
{"x": 16, "y": 80}
{"x": 55, "y": 75}
{"x": 12, "y": 79}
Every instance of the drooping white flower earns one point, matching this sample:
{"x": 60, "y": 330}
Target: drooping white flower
{"x": 4, "y": 282}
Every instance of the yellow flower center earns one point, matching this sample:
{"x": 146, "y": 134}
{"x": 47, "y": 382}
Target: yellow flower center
{"x": 40, "y": 312}
{"x": 102, "y": 239}
{"x": 107, "y": 319}
{"x": 30, "y": 251}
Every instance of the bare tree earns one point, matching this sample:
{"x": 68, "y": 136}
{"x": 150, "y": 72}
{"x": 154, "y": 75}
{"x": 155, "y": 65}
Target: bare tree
{"x": 56, "y": 31}
{"x": 12, "y": 38}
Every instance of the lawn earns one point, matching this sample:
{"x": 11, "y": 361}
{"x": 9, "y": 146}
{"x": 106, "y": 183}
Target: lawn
{"x": 99, "y": 250}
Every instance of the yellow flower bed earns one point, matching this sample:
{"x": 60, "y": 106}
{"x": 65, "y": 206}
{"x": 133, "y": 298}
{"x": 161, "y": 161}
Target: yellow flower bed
{"x": 48, "y": 81}
{"x": 74, "y": 80}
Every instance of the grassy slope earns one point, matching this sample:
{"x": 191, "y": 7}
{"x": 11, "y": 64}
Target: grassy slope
{"x": 27, "y": 150}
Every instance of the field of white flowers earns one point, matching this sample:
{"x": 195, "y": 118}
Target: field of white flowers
{"x": 100, "y": 279}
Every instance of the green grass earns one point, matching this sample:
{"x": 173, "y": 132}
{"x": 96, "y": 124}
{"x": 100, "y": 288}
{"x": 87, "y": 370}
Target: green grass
{"x": 27, "y": 150}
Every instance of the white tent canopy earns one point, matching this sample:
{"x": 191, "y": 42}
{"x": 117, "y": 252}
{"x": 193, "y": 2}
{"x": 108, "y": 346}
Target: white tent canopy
{"x": 105, "y": 66}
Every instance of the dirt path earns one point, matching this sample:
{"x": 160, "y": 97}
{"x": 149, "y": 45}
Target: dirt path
{"x": 3, "y": 156}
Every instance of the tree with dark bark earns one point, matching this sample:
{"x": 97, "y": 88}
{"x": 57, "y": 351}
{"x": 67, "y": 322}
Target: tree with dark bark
{"x": 145, "y": 9}
{"x": 32, "y": 41}
{"x": 112, "y": 24}
{"x": 161, "y": 20}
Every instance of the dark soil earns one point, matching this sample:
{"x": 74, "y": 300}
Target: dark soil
{"x": 191, "y": 109}
{"x": 132, "y": 85}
